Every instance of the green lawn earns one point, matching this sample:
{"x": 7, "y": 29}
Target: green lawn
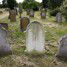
{"x": 53, "y": 31}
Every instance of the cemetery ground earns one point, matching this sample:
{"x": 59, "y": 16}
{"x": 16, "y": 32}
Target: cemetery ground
{"x": 19, "y": 58}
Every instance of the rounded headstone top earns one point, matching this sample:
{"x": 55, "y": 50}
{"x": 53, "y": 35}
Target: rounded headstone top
{"x": 63, "y": 40}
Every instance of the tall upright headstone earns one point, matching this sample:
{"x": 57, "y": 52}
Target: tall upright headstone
{"x": 4, "y": 45}
{"x": 35, "y": 39}
{"x": 58, "y": 17}
{"x": 23, "y": 23}
{"x": 62, "y": 52}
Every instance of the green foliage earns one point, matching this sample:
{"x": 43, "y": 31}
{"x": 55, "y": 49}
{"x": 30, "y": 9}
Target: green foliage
{"x": 11, "y": 4}
{"x": 30, "y": 4}
{"x": 45, "y": 3}
{"x": 54, "y": 12}
{"x": 52, "y": 4}
{"x": 64, "y": 9}
{"x": 55, "y": 3}
{"x": 4, "y": 3}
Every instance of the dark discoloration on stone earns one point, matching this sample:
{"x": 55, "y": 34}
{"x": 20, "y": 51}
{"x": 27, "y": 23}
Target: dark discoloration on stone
{"x": 5, "y": 25}
{"x": 23, "y": 23}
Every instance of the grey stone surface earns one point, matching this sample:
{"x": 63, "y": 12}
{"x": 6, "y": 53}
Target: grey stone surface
{"x": 58, "y": 17}
{"x": 4, "y": 45}
{"x": 35, "y": 39}
{"x": 62, "y": 52}
{"x": 43, "y": 14}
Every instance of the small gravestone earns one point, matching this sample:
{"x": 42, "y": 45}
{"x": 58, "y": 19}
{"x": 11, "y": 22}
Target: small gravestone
{"x": 4, "y": 25}
{"x": 4, "y": 45}
{"x": 16, "y": 11}
{"x": 31, "y": 13}
{"x": 20, "y": 11}
{"x": 1, "y": 12}
{"x": 28, "y": 11}
{"x": 12, "y": 15}
{"x": 62, "y": 52}
{"x": 43, "y": 14}
{"x": 35, "y": 37}
{"x": 58, "y": 17}
{"x": 23, "y": 23}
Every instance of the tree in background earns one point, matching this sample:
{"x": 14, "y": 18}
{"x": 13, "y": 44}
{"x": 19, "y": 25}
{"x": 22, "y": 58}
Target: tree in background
{"x": 11, "y": 4}
{"x": 4, "y": 3}
{"x": 54, "y": 6}
{"x": 30, "y": 4}
{"x": 45, "y": 3}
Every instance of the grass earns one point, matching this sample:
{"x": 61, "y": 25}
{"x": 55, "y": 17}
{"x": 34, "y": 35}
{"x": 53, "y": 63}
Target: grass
{"x": 19, "y": 58}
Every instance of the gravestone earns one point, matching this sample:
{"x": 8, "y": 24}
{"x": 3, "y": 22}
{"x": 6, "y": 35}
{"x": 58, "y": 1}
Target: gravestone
{"x": 1, "y": 12}
{"x": 62, "y": 52}
{"x": 23, "y": 23}
{"x": 58, "y": 17}
{"x": 43, "y": 14}
{"x": 16, "y": 10}
{"x": 20, "y": 11}
{"x": 28, "y": 11}
{"x": 35, "y": 37}
{"x": 4, "y": 45}
{"x": 12, "y": 15}
{"x": 4, "y": 25}
{"x": 31, "y": 13}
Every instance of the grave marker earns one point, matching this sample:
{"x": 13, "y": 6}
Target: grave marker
{"x": 23, "y": 23}
{"x": 4, "y": 45}
{"x": 12, "y": 15}
{"x": 62, "y": 52}
{"x": 58, "y": 17}
{"x": 43, "y": 14}
{"x": 35, "y": 40}
{"x": 31, "y": 13}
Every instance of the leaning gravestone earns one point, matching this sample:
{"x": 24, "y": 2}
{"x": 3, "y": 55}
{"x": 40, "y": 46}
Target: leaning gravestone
{"x": 35, "y": 37}
{"x": 62, "y": 53}
{"x": 31, "y": 13}
{"x": 12, "y": 15}
{"x": 43, "y": 14}
{"x": 58, "y": 17}
{"x": 4, "y": 45}
{"x": 23, "y": 23}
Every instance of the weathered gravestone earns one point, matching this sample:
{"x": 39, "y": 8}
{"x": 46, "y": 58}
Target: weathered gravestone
{"x": 62, "y": 52}
{"x": 35, "y": 40}
{"x": 12, "y": 15}
{"x": 28, "y": 11}
{"x": 58, "y": 17}
{"x": 16, "y": 10}
{"x": 43, "y": 14}
{"x": 23, "y": 23}
{"x": 20, "y": 11}
{"x": 4, "y": 45}
{"x": 31, "y": 13}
